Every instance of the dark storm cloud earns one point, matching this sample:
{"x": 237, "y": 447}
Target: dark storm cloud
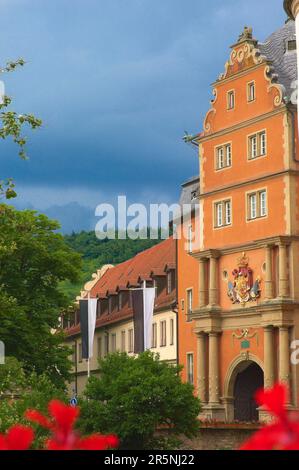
{"x": 116, "y": 83}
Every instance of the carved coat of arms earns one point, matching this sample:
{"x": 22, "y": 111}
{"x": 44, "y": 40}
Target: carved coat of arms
{"x": 243, "y": 289}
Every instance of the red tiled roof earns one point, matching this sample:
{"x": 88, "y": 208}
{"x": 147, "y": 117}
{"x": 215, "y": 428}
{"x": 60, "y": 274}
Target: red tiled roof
{"x": 149, "y": 262}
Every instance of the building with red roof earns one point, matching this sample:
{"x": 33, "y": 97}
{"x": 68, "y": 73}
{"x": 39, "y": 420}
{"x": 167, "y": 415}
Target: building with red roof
{"x": 113, "y": 285}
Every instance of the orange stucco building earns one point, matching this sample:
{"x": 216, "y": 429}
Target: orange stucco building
{"x": 238, "y": 291}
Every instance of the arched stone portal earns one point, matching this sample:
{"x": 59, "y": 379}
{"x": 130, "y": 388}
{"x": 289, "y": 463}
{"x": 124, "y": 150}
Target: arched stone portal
{"x": 244, "y": 378}
{"x": 247, "y": 383}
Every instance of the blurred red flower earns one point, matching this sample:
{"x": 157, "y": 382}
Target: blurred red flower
{"x": 64, "y": 437}
{"x": 17, "y": 438}
{"x": 283, "y": 433}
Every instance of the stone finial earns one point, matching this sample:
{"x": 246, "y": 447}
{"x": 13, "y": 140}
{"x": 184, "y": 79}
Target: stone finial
{"x": 246, "y": 34}
{"x": 291, "y": 7}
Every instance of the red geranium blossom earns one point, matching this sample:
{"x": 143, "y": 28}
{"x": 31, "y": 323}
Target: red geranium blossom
{"x": 283, "y": 433}
{"x": 17, "y": 438}
{"x": 64, "y": 437}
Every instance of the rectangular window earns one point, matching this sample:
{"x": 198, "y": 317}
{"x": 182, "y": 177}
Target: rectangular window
{"x": 163, "y": 340}
{"x": 154, "y": 335}
{"x": 223, "y": 156}
{"x": 120, "y": 301}
{"x": 171, "y": 332}
{"x": 100, "y": 348}
{"x": 190, "y": 368}
{"x": 251, "y": 91}
{"x": 257, "y": 205}
{"x": 110, "y": 305}
{"x": 231, "y": 100}
{"x": 223, "y": 213}
{"x": 257, "y": 145}
{"x": 189, "y": 302}
{"x": 106, "y": 344}
{"x": 131, "y": 340}
{"x": 113, "y": 343}
{"x": 99, "y": 309}
{"x": 123, "y": 341}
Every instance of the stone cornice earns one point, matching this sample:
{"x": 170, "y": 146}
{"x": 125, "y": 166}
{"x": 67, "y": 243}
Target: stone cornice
{"x": 249, "y": 246}
{"x": 238, "y": 75}
{"x": 249, "y": 182}
{"x": 215, "y": 317}
{"x": 228, "y": 130}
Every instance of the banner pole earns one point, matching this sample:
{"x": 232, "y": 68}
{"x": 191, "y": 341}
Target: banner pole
{"x": 88, "y": 368}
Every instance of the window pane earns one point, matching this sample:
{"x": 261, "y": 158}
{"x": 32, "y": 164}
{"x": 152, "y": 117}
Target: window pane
{"x": 228, "y": 212}
{"x": 252, "y": 202}
{"x": 253, "y": 147}
{"x": 190, "y": 301}
{"x": 231, "y": 100}
{"x": 163, "y": 333}
{"x": 228, "y": 155}
{"x": 220, "y": 154}
{"x": 251, "y": 93}
{"x": 263, "y": 203}
{"x": 219, "y": 215}
{"x": 263, "y": 143}
{"x": 171, "y": 332}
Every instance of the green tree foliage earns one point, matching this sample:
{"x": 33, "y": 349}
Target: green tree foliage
{"x": 20, "y": 391}
{"x": 34, "y": 260}
{"x": 12, "y": 126}
{"x": 95, "y": 253}
{"x": 135, "y": 396}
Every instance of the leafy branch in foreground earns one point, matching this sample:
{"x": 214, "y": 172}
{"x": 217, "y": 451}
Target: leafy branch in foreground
{"x": 12, "y": 125}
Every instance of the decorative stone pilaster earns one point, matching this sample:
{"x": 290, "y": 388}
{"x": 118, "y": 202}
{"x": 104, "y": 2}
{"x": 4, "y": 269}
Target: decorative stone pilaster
{"x": 214, "y": 368}
{"x": 213, "y": 284}
{"x": 201, "y": 367}
{"x": 283, "y": 283}
{"x": 284, "y": 356}
{"x": 269, "y": 375}
{"x": 202, "y": 283}
{"x": 269, "y": 275}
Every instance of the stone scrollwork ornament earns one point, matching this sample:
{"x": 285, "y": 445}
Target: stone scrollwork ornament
{"x": 243, "y": 289}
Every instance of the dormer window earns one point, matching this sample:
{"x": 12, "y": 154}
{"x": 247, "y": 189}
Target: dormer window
{"x": 291, "y": 45}
{"x": 110, "y": 305}
{"x": 231, "y": 99}
{"x": 120, "y": 301}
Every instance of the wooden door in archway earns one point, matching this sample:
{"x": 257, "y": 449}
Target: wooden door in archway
{"x": 247, "y": 383}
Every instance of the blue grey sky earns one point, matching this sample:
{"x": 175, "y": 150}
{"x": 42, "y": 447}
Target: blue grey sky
{"x": 116, "y": 83}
